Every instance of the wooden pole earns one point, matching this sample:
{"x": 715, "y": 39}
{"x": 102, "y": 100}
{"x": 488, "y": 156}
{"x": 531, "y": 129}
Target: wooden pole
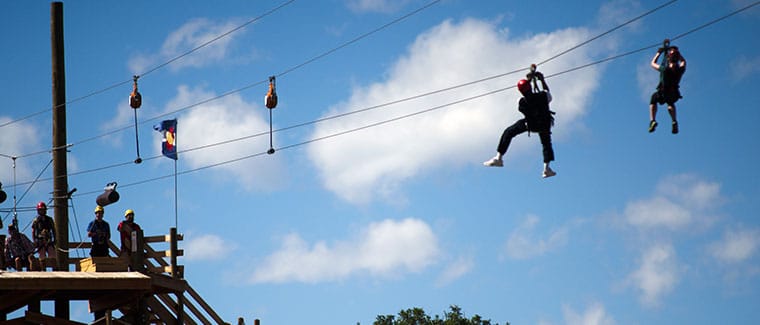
{"x": 176, "y": 274}
{"x": 60, "y": 179}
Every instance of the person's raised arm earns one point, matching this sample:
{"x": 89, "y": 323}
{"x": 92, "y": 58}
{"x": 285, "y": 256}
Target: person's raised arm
{"x": 654, "y": 63}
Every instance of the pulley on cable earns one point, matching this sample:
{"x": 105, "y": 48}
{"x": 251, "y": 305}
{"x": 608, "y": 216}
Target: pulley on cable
{"x": 135, "y": 101}
{"x": 532, "y": 77}
{"x": 270, "y": 101}
{"x": 665, "y": 49}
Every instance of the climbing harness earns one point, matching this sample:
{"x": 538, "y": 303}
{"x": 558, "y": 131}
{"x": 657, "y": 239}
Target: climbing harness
{"x": 270, "y": 101}
{"x": 135, "y": 101}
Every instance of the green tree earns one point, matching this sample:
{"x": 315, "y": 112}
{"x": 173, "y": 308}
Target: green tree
{"x": 417, "y": 316}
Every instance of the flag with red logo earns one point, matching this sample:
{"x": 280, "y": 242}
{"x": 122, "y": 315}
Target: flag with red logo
{"x": 168, "y": 129}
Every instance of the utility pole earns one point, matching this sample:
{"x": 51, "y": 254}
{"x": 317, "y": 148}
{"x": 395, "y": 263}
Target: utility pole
{"x": 60, "y": 178}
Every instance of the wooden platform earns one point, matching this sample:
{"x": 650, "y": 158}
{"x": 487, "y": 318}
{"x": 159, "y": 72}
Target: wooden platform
{"x": 18, "y": 289}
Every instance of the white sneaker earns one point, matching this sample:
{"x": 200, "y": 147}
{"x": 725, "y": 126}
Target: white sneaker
{"x": 494, "y": 162}
{"x": 548, "y": 172}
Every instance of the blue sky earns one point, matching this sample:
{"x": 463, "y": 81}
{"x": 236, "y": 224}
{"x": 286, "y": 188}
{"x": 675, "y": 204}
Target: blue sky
{"x": 636, "y": 228}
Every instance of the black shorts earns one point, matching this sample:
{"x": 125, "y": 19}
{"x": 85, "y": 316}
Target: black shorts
{"x": 665, "y": 97}
{"x": 99, "y": 251}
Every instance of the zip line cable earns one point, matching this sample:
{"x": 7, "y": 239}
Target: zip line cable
{"x": 659, "y": 44}
{"x": 360, "y": 37}
{"x": 715, "y": 20}
{"x": 218, "y": 37}
{"x": 371, "y": 125}
{"x": 27, "y": 189}
{"x": 119, "y": 84}
{"x": 354, "y": 129}
{"x": 406, "y": 99}
{"x": 354, "y": 41}
{"x": 608, "y": 32}
{"x": 288, "y": 127}
{"x": 286, "y": 71}
{"x": 234, "y": 91}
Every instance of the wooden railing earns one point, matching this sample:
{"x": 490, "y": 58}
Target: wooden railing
{"x": 168, "y": 308}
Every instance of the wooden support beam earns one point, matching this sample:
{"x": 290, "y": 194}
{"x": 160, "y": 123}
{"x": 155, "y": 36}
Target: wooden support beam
{"x": 37, "y": 318}
{"x": 114, "y": 300}
{"x": 162, "y": 283}
{"x": 162, "y": 238}
{"x": 166, "y": 253}
{"x": 160, "y": 311}
{"x": 193, "y": 294}
{"x": 167, "y": 269}
{"x": 198, "y": 315}
{"x": 13, "y": 300}
{"x": 174, "y": 306}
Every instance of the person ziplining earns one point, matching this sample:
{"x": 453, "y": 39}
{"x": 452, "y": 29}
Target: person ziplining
{"x": 671, "y": 70}
{"x": 538, "y": 118}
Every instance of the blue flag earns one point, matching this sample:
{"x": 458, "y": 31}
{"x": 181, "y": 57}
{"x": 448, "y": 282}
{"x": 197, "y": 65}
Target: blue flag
{"x": 168, "y": 129}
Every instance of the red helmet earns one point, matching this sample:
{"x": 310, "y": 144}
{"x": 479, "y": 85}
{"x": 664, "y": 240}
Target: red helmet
{"x": 524, "y": 86}
{"x": 41, "y": 205}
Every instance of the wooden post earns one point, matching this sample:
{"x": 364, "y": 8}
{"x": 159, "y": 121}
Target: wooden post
{"x": 60, "y": 178}
{"x": 176, "y": 274}
{"x": 137, "y": 256}
{"x": 2, "y": 252}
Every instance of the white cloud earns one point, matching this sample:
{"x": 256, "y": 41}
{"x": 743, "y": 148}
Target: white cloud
{"x": 381, "y": 158}
{"x": 384, "y": 248}
{"x": 744, "y": 67}
{"x": 690, "y": 191}
{"x": 220, "y": 120}
{"x": 736, "y": 245}
{"x": 207, "y": 247}
{"x": 17, "y": 139}
{"x": 124, "y": 117}
{"x": 455, "y": 270}
{"x": 187, "y": 37}
{"x": 618, "y": 12}
{"x": 680, "y": 201}
{"x": 594, "y": 314}
{"x": 657, "y": 274}
{"x": 383, "y": 6}
{"x": 657, "y": 212}
{"x": 522, "y": 242}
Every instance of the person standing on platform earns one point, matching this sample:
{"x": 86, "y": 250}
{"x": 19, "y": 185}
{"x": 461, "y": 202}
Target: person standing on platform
{"x": 100, "y": 233}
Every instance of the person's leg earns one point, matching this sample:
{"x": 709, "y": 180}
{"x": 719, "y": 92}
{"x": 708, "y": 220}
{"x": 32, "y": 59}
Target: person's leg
{"x": 672, "y": 111}
{"x": 506, "y": 138}
{"x": 548, "y": 152}
{"x": 653, "y": 111}
{"x": 50, "y": 257}
{"x": 34, "y": 263}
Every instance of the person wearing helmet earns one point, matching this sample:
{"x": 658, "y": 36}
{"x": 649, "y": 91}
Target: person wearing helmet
{"x": 43, "y": 234}
{"x": 538, "y": 118}
{"x": 100, "y": 232}
{"x": 19, "y": 251}
{"x": 125, "y": 228}
{"x": 668, "y": 89}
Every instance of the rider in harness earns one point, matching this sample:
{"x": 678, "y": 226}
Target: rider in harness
{"x": 538, "y": 118}
{"x": 671, "y": 71}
